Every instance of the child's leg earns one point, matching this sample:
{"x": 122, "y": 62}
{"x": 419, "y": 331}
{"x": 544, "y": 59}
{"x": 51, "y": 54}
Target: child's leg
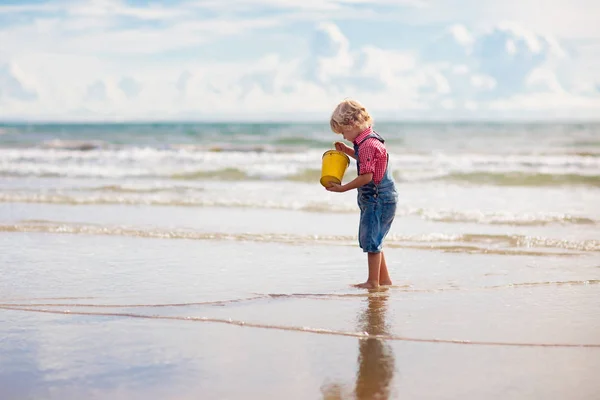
{"x": 374, "y": 266}
{"x": 384, "y": 276}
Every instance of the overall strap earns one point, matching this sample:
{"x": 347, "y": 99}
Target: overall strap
{"x": 373, "y": 135}
{"x": 356, "y": 147}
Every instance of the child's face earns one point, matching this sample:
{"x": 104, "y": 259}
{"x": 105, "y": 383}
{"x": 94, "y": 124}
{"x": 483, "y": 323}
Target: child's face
{"x": 349, "y": 133}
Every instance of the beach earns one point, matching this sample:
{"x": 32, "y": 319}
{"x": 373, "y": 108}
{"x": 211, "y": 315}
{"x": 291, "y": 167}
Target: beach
{"x": 180, "y": 261}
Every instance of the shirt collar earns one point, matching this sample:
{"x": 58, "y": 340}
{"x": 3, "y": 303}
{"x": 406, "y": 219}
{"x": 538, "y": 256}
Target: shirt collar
{"x": 361, "y": 136}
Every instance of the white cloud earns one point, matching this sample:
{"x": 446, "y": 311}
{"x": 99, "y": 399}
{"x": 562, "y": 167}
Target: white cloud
{"x": 27, "y": 8}
{"x": 534, "y": 43}
{"x": 330, "y": 54}
{"x": 299, "y": 5}
{"x": 511, "y": 47}
{"x": 96, "y": 92}
{"x": 105, "y": 8}
{"x": 14, "y": 86}
{"x": 130, "y": 87}
{"x": 96, "y": 9}
{"x": 471, "y": 105}
{"x": 560, "y": 18}
{"x": 560, "y": 104}
{"x": 462, "y": 35}
{"x": 448, "y": 104}
{"x": 483, "y": 82}
{"x": 508, "y": 54}
{"x": 136, "y": 40}
{"x": 460, "y": 69}
{"x": 432, "y": 78}
{"x": 182, "y": 81}
{"x": 544, "y": 79}
{"x": 94, "y": 27}
{"x": 386, "y": 62}
{"x": 371, "y": 71}
{"x": 109, "y": 58}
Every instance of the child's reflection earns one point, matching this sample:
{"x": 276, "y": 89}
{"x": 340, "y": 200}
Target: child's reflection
{"x": 375, "y": 358}
{"x": 375, "y": 368}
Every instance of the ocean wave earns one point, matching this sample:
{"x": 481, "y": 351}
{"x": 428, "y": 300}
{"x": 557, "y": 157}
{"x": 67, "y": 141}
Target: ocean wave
{"x": 586, "y": 143}
{"x": 302, "y": 142}
{"x": 513, "y": 241}
{"x": 236, "y": 174}
{"x": 123, "y": 197}
{"x": 547, "y": 283}
{"x": 233, "y": 164}
{"x": 193, "y": 197}
{"x": 225, "y": 174}
{"x": 90, "y": 150}
{"x": 504, "y": 218}
{"x": 153, "y": 163}
{"x": 137, "y": 189}
{"x": 239, "y": 163}
{"x": 288, "y": 328}
{"x": 521, "y": 179}
{"x": 78, "y": 145}
{"x": 282, "y": 145}
{"x": 256, "y": 297}
{"x": 255, "y": 172}
{"x": 235, "y": 148}
{"x": 461, "y": 243}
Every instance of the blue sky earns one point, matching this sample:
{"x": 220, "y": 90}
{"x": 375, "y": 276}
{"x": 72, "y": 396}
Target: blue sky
{"x": 295, "y": 59}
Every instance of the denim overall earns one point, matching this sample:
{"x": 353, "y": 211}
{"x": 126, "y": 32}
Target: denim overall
{"x": 377, "y": 203}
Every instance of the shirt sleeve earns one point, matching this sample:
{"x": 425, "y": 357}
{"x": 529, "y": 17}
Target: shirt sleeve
{"x": 368, "y": 156}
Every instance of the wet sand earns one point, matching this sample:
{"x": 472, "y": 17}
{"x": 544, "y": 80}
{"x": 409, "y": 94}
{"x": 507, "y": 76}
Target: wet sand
{"x": 99, "y": 315}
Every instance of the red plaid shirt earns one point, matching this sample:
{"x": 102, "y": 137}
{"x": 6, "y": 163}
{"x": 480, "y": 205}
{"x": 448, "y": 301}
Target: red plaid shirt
{"x": 372, "y": 155}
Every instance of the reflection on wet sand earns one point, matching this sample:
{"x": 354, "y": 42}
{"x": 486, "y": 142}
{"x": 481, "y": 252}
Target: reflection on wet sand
{"x": 375, "y": 358}
{"x": 375, "y": 369}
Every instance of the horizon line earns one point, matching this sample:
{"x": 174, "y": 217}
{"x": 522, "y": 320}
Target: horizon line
{"x": 294, "y": 121}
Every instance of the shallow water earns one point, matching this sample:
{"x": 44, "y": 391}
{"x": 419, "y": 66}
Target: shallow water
{"x": 180, "y": 319}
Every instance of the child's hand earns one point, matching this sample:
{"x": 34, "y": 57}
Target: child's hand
{"x": 339, "y": 146}
{"x": 334, "y": 187}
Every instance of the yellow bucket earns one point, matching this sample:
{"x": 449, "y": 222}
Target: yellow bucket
{"x": 333, "y": 167}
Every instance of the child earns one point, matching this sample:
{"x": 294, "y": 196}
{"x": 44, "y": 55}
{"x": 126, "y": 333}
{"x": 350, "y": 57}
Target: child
{"x": 377, "y": 196}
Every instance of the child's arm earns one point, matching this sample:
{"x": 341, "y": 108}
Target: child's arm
{"x": 357, "y": 182}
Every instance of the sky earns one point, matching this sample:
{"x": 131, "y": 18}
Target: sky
{"x": 123, "y": 60}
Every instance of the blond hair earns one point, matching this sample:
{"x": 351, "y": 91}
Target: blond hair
{"x": 350, "y": 113}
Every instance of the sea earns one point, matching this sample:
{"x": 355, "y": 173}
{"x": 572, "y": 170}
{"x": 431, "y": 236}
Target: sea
{"x": 454, "y": 173}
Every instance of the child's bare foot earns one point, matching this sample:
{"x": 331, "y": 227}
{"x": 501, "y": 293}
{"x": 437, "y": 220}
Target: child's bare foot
{"x": 385, "y": 283}
{"x": 367, "y": 285}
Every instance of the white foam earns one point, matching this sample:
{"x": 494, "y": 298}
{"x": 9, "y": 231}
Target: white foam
{"x": 152, "y": 162}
